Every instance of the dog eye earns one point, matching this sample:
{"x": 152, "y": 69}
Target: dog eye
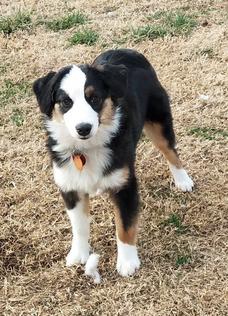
{"x": 66, "y": 104}
{"x": 94, "y": 100}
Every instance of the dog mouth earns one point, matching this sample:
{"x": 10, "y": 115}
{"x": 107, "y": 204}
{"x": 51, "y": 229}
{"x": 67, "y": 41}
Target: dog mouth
{"x": 84, "y": 137}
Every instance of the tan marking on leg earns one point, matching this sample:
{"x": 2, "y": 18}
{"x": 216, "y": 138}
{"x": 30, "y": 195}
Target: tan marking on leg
{"x": 85, "y": 198}
{"x": 125, "y": 175}
{"x": 128, "y": 236}
{"x": 89, "y": 91}
{"x": 154, "y": 132}
{"x": 57, "y": 116}
{"x": 107, "y": 112}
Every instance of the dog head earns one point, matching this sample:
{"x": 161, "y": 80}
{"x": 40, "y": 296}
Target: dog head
{"x": 82, "y": 97}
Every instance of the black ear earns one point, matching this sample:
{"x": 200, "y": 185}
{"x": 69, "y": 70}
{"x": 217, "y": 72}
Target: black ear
{"x": 43, "y": 89}
{"x": 115, "y": 77}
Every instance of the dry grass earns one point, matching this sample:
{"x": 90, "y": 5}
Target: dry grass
{"x": 183, "y": 238}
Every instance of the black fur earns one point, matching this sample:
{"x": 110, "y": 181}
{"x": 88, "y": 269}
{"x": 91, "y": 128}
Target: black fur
{"x": 144, "y": 100}
{"x": 127, "y": 201}
{"x": 45, "y": 89}
{"x": 70, "y": 198}
{"x": 115, "y": 77}
{"x": 55, "y": 155}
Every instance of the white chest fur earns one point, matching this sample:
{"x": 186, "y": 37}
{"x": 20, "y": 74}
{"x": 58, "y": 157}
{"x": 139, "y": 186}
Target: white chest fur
{"x": 90, "y": 179}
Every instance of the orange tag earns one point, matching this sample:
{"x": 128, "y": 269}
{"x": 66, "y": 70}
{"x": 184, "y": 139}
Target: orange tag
{"x": 79, "y": 161}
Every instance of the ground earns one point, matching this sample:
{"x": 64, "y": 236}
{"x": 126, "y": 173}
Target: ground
{"x": 183, "y": 236}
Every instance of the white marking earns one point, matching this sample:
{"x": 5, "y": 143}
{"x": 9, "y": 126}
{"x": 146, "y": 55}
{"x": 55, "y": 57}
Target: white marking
{"x": 81, "y": 112}
{"x": 79, "y": 252}
{"x": 181, "y": 179}
{"x": 114, "y": 180}
{"x": 91, "y": 268}
{"x": 127, "y": 259}
{"x": 68, "y": 177}
{"x": 91, "y": 178}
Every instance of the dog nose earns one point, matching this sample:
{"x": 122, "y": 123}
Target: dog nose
{"x": 83, "y": 129}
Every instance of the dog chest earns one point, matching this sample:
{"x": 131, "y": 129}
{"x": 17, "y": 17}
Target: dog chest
{"x": 90, "y": 179}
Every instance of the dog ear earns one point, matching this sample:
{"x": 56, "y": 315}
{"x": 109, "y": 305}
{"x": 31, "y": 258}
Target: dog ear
{"x": 43, "y": 89}
{"x": 115, "y": 77}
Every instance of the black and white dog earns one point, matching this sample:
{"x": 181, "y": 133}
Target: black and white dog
{"x": 94, "y": 116}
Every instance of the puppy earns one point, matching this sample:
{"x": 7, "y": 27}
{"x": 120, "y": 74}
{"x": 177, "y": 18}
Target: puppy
{"x": 94, "y": 116}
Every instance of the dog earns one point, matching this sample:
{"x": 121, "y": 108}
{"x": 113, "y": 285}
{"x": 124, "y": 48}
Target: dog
{"x": 94, "y": 116}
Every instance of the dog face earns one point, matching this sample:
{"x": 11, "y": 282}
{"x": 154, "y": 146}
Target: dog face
{"x": 82, "y": 97}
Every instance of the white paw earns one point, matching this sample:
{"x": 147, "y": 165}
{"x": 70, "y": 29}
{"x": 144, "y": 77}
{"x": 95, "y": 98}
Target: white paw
{"x": 127, "y": 260}
{"x": 182, "y": 179}
{"x": 77, "y": 255}
{"x": 186, "y": 185}
{"x": 127, "y": 267}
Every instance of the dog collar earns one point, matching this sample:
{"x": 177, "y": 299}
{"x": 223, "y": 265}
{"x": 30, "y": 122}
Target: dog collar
{"x": 79, "y": 161}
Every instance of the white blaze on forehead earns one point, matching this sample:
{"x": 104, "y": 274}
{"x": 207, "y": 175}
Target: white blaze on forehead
{"x": 81, "y": 112}
{"x": 74, "y": 82}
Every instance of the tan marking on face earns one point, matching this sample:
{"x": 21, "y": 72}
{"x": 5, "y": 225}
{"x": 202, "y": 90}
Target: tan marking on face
{"x": 128, "y": 236}
{"x": 154, "y": 132}
{"x": 107, "y": 112}
{"x": 89, "y": 91}
{"x": 57, "y": 116}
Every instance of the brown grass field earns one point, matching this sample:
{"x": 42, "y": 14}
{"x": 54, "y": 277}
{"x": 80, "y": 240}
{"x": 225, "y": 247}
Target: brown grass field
{"x": 183, "y": 236}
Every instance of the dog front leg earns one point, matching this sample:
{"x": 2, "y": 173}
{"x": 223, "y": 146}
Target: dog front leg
{"x": 78, "y": 212}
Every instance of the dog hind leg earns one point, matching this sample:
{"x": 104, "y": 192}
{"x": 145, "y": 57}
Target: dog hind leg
{"x": 159, "y": 128}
